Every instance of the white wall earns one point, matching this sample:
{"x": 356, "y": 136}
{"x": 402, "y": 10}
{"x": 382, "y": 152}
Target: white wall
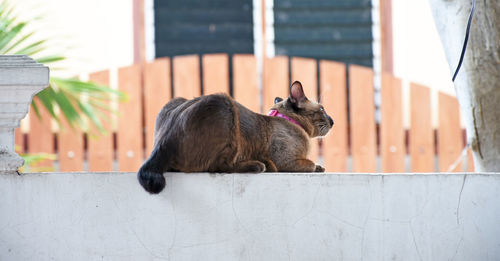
{"x": 418, "y": 53}
{"x": 93, "y": 34}
{"x": 108, "y": 216}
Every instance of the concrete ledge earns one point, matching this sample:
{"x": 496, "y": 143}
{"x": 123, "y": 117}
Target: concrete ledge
{"x": 108, "y": 216}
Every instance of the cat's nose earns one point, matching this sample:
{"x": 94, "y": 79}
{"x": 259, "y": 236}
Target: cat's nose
{"x": 330, "y": 120}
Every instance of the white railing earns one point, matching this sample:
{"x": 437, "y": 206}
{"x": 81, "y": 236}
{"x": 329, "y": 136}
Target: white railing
{"x": 20, "y": 79}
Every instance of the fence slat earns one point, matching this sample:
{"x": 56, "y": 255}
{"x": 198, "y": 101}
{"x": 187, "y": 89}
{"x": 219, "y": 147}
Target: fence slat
{"x": 470, "y": 161}
{"x": 19, "y": 140}
{"x": 40, "y": 136}
{"x": 215, "y": 73}
{"x": 157, "y": 92}
{"x": 362, "y": 116}
{"x": 129, "y": 122}
{"x": 333, "y": 97}
{"x": 245, "y": 86}
{"x": 70, "y": 147}
{"x": 187, "y": 76}
{"x": 421, "y": 132}
{"x": 100, "y": 145}
{"x": 276, "y": 82}
{"x": 392, "y": 133}
{"x": 450, "y": 143}
{"x": 305, "y": 71}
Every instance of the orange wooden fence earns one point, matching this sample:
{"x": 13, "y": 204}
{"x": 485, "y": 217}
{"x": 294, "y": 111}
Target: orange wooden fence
{"x": 356, "y": 143}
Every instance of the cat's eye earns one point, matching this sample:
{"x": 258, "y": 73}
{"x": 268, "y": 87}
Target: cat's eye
{"x": 322, "y": 109}
{"x": 277, "y": 99}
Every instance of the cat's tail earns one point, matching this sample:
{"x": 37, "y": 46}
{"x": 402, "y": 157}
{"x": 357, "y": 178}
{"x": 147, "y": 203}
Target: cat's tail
{"x": 150, "y": 175}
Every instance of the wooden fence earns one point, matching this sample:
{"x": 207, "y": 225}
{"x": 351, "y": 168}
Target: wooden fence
{"x": 356, "y": 143}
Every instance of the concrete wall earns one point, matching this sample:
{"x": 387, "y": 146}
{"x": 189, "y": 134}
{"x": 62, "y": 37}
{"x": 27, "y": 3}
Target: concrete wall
{"x": 107, "y": 216}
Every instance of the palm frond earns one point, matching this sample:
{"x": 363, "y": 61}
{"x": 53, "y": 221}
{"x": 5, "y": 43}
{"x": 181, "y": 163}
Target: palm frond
{"x": 89, "y": 111}
{"x": 17, "y": 43}
{"x": 32, "y": 159}
{"x": 64, "y": 94}
{"x": 89, "y": 88}
{"x": 73, "y": 91}
{"x": 50, "y": 59}
{"x": 8, "y": 35}
{"x": 33, "y": 48}
{"x": 46, "y": 97}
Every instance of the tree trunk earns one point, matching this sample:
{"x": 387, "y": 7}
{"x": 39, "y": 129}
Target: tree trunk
{"x": 478, "y": 82}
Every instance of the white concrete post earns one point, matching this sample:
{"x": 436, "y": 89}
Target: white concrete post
{"x": 20, "y": 79}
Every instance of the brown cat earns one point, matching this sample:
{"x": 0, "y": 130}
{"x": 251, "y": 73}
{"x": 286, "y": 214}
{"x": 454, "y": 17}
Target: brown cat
{"x": 214, "y": 133}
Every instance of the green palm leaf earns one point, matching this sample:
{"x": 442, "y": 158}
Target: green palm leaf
{"x": 16, "y": 43}
{"x": 9, "y": 35}
{"x": 63, "y": 94}
{"x": 50, "y": 59}
{"x": 46, "y": 98}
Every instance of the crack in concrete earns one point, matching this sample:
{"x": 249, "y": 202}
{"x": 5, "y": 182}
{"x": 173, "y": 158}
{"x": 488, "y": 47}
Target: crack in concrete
{"x": 174, "y": 237}
{"x": 288, "y": 249}
{"x": 147, "y": 249}
{"x": 234, "y": 212}
{"x": 421, "y": 211}
{"x": 339, "y": 219}
{"x": 312, "y": 206}
{"x": 460, "y": 199}
{"x": 205, "y": 244}
{"x": 137, "y": 236}
{"x": 415, "y": 242}
{"x": 366, "y": 221}
{"x": 391, "y": 221}
{"x": 458, "y": 245}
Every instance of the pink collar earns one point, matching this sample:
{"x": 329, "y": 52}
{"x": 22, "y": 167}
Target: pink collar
{"x": 275, "y": 113}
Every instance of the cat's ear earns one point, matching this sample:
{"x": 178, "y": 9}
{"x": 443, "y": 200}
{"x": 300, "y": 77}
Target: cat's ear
{"x": 297, "y": 95}
{"x": 277, "y": 99}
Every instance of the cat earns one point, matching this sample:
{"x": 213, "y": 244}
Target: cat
{"x": 214, "y": 133}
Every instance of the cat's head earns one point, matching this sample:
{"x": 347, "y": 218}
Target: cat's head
{"x": 309, "y": 114}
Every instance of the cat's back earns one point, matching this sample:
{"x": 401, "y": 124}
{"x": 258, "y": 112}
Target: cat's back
{"x": 208, "y": 109}
{"x": 202, "y": 113}
{"x": 179, "y": 108}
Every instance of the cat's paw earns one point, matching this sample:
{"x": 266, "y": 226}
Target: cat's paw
{"x": 252, "y": 166}
{"x": 257, "y": 167}
{"x": 319, "y": 169}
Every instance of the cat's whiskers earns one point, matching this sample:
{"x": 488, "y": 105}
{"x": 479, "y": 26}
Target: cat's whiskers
{"x": 323, "y": 129}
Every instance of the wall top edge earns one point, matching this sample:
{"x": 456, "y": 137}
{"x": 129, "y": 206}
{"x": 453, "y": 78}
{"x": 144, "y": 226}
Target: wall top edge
{"x": 18, "y": 61}
{"x": 277, "y": 174}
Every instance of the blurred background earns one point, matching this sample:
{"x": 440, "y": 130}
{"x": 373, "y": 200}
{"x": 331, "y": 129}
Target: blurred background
{"x": 100, "y": 34}
{"x": 101, "y": 40}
